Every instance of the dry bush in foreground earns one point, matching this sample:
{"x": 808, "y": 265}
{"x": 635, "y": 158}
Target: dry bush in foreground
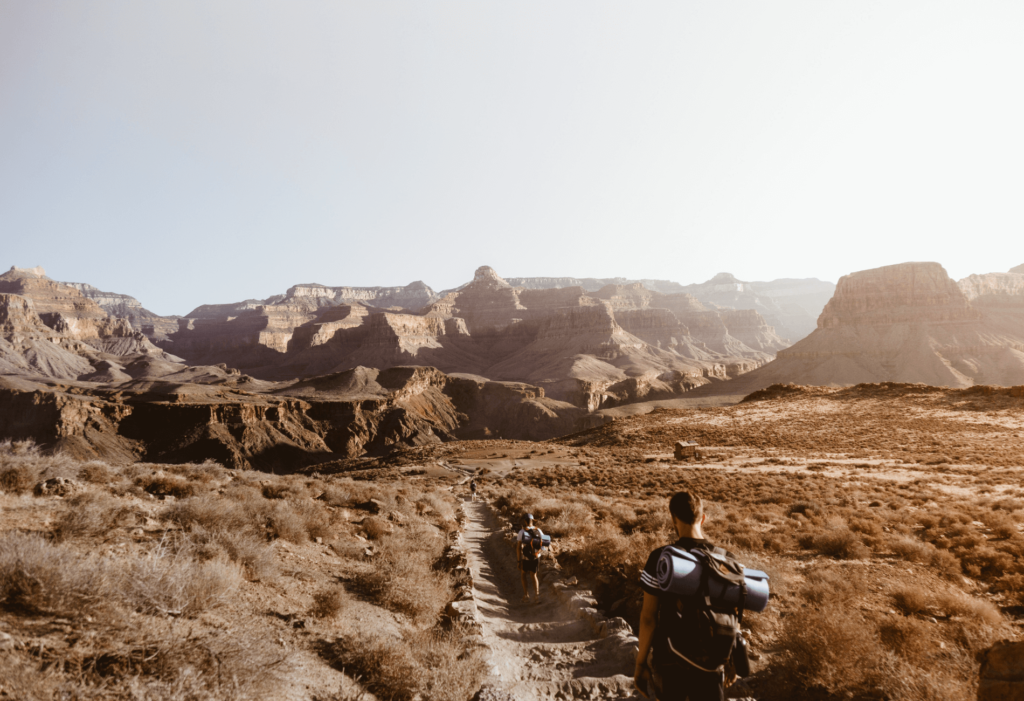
{"x": 172, "y": 582}
{"x": 433, "y": 665}
{"x": 158, "y": 664}
{"x": 404, "y": 577}
{"x": 38, "y": 577}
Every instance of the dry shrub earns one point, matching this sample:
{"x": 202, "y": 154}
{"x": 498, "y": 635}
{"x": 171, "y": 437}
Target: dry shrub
{"x": 96, "y": 472}
{"x": 18, "y": 479}
{"x": 172, "y": 582}
{"x": 385, "y": 664}
{"x": 403, "y": 577}
{"x": 162, "y": 484}
{"x": 832, "y": 587}
{"x": 156, "y": 663}
{"x": 956, "y": 603}
{"x": 840, "y": 543}
{"x": 572, "y": 519}
{"x": 911, "y": 549}
{"x": 91, "y": 515}
{"x": 834, "y": 649}
{"x": 330, "y": 602}
{"x": 911, "y": 600}
{"x": 609, "y": 550}
{"x": 376, "y": 528}
{"x": 245, "y": 547}
{"x": 432, "y": 665}
{"x": 911, "y": 638}
{"x": 1002, "y": 524}
{"x": 23, "y": 464}
{"x": 38, "y": 577}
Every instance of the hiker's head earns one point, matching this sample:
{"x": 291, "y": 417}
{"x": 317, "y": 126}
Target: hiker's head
{"x": 527, "y": 520}
{"x": 688, "y": 515}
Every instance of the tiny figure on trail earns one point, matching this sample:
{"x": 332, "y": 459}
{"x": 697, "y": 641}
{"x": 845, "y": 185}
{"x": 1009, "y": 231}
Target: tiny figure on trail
{"x": 472, "y": 489}
{"x": 529, "y": 546}
{"x": 691, "y": 644}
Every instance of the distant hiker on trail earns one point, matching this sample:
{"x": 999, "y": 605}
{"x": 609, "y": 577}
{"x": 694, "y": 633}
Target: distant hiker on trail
{"x": 472, "y": 489}
{"x": 692, "y": 640}
{"x": 528, "y": 551}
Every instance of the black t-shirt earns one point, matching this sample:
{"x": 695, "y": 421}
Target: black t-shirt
{"x": 649, "y": 583}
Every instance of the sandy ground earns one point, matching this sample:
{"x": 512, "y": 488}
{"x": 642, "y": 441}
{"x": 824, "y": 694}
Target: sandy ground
{"x": 540, "y": 650}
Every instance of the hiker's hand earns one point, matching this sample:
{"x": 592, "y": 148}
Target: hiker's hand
{"x": 729, "y": 677}
{"x": 640, "y": 678}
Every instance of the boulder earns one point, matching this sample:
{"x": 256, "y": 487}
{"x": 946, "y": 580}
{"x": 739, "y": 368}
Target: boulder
{"x": 57, "y": 487}
{"x": 1002, "y": 672}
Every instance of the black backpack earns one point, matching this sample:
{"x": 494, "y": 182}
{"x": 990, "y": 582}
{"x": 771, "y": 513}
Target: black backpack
{"x": 531, "y": 548}
{"x": 699, "y": 630}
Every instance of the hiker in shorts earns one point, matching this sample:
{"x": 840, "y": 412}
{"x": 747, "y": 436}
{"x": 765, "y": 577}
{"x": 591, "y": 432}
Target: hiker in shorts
{"x": 672, "y": 677}
{"x": 472, "y": 489}
{"x": 528, "y": 550}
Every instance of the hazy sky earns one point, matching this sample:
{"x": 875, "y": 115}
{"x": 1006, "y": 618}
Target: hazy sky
{"x": 202, "y": 152}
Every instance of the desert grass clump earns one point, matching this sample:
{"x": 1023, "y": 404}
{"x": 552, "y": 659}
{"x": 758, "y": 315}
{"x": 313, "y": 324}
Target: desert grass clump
{"x": 23, "y": 464}
{"x": 834, "y": 649}
{"x": 330, "y": 602}
{"x": 92, "y": 515}
{"x": 38, "y": 577}
{"x": 404, "y": 578}
{"x": 572, "y": 519}
{"x": 840, "y": 543}
{"x": 911, "y": 549}
{"x": 171, "y": 581}
{"x": 912, "y": 600}
{"x": 432, "y": 665}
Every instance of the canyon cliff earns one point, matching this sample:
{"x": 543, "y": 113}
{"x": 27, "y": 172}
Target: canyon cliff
{"x": 572, "y": 342}
{"x": 909, "y": 323}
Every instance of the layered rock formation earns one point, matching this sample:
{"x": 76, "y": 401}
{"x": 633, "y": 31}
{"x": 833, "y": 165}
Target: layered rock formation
{"x": 120, "y": 306}
{"x": 52, "y": 329}
{"x": 909, "y": 323}
{"x": 568, "y": 340}
{"x": 193, "y": 414}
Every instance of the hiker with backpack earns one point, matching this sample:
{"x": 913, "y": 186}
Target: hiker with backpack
{"x": 472, "y": 489}
{"x": 529, "y": 546}
{"x": 694, "y": 597}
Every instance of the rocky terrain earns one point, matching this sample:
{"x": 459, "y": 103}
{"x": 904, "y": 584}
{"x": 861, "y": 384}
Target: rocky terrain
{"x": 909, "y": 323}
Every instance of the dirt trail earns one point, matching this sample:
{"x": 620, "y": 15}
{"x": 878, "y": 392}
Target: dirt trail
{"x": 540, "y": 651}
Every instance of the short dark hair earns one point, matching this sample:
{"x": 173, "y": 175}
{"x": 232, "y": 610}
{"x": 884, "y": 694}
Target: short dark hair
{"x": 686, "y": 506}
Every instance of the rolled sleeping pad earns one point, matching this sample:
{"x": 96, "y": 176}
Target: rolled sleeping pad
{"x": 679, "y": 573}
{"x": 544, "y": 542}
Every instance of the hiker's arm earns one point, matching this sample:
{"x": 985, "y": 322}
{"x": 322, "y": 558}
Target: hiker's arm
{"x": 648, "y": 622}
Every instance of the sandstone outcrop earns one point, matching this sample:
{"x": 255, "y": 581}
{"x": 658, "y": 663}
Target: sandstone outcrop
{"x": 1019, "y": 270}
{"x": 908, "y": 323}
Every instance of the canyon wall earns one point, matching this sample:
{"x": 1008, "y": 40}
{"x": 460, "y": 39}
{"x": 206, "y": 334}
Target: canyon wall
{"x": 909, "y": 323}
